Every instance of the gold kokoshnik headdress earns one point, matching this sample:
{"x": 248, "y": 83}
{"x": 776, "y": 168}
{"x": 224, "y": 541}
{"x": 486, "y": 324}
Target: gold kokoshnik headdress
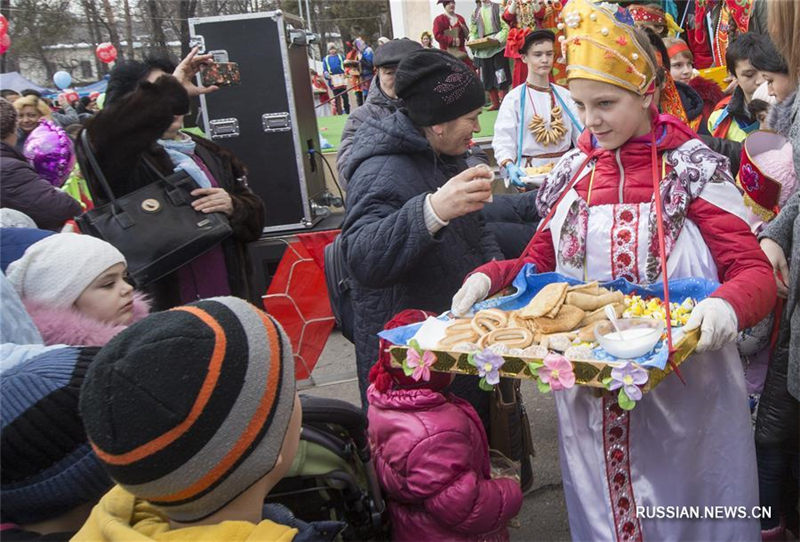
{"x": 599, "y": 44}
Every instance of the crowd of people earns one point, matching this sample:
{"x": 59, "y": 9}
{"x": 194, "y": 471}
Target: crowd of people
{"x": 168, "y": 410}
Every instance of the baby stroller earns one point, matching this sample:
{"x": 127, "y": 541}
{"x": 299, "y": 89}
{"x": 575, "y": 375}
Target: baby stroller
{"x": 332, "y": 477}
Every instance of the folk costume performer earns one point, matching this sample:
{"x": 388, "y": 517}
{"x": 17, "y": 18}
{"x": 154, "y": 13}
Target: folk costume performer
{"x": 539, "y": 115}
{"x": 684, "y": 445}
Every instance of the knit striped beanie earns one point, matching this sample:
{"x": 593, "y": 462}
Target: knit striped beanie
{"x": 46, "y": 463}
{"x": 188, "y": 408}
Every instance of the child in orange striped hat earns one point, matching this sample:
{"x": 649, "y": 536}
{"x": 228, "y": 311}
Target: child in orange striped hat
{"x": 193, "y": 413}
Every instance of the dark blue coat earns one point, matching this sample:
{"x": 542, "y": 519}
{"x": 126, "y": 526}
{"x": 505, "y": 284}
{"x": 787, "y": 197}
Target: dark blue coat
{"x": 395, "y": 263}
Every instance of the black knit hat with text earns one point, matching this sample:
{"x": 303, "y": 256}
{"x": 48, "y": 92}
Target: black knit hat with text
{"x": 436, "y": 87}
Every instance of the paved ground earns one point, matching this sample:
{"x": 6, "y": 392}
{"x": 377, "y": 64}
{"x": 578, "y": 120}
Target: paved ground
{"x": 544, "y": 515}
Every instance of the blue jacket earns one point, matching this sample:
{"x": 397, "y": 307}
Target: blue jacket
{"x": 332, "y": 64}
{"x": 393, "y": 260}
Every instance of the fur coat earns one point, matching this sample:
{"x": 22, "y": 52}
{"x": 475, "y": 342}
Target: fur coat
{"x": 69, "y": 326}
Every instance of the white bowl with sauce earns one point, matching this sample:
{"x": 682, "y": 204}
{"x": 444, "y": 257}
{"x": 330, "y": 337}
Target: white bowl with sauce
{"x": 639, "y": 336}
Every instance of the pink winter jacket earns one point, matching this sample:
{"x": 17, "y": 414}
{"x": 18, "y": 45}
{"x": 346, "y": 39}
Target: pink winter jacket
{"x": 432, "y": 460}
{"x": 70, "y": 326}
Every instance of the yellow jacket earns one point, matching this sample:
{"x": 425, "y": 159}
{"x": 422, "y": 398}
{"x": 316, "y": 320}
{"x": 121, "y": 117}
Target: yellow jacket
{"x": 121, "y": 517}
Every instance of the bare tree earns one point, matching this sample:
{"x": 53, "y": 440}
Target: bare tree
{"x": 128, "y": 28}
{"x": 186, "y": 10}
{"x": 111, "y": 24}
{"x": 39, "y": 23}
{"x": 159, "y": 40}
{"x": 95, "y": 36}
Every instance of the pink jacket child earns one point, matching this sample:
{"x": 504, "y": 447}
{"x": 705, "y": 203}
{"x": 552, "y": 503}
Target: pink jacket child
{"x": 432, "y": 457}
{"x": 74, "y": 288}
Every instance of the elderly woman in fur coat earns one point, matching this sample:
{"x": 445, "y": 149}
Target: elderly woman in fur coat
{"x": 138, "y": 132}
{"x": 83, "y": 301}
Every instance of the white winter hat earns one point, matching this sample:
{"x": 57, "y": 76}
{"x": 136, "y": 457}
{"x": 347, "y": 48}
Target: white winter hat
{"x": 11, "y": 218}
{"x": 56, "y": 270}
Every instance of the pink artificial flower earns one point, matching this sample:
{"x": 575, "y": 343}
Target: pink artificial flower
{"x": 557, "y": 372}
{"x": 422, "y": 365}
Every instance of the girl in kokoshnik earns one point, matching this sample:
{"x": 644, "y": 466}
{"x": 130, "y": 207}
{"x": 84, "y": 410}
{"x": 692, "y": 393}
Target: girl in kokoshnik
{"x": 684, "y": 444}
{"x": 549, "y": 124}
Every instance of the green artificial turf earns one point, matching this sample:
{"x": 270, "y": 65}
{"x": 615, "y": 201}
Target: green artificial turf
{"x": 331, "y": 127}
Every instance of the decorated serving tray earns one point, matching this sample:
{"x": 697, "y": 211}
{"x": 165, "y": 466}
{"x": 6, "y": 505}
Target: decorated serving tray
{"x": 555, "y": 330}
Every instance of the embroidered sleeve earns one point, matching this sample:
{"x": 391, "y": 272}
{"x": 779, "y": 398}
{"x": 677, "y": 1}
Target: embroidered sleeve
{"x": 558, "y": 180}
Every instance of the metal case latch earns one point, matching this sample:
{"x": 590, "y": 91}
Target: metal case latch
{"x": 276, "y": 122}
{"x": 221, "y": 128}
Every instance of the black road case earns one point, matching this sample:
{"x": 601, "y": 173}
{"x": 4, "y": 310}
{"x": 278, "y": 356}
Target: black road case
{"x": 267, "y": 120}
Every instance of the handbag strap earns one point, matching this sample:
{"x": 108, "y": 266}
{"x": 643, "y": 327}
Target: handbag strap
{"x": 98, "y": 173}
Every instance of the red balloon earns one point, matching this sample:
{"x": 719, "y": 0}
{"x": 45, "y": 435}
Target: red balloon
{"x": 5, "y": 43}
{"x": 106, "y": 52}
{"x": 71, "y": 96}
{"x": 3, "y": 25}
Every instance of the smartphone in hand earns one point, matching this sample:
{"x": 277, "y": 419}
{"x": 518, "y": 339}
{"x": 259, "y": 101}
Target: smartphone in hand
{"x": 221, "y": 74}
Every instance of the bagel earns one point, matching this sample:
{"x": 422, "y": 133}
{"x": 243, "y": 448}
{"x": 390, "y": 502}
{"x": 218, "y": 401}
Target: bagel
{"x": 460, "y": 331}
{"x": 488, "y": 320}
{"x": 512, "y": 337}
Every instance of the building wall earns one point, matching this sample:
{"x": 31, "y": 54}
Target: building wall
{"x": 410, "y": 18}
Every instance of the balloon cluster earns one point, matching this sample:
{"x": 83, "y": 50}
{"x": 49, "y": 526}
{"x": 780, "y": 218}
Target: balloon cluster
{"x": 49, "y": 149}
{"x": 5, "y": 39}
{"x": 106, "y": 52}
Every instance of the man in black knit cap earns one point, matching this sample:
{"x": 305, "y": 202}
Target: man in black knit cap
{"x": 411, "y": 232}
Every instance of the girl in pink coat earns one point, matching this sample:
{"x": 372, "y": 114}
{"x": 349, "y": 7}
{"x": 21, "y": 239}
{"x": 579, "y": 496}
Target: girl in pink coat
{"x": 432, "y": 457}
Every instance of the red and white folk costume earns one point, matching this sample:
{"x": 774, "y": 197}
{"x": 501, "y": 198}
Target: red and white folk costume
{"x": 683, "y": 445}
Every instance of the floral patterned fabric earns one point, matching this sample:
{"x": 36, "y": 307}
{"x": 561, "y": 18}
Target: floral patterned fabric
{"x": 688, "y": 169}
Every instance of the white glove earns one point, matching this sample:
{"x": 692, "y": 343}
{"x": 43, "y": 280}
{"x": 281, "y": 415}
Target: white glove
{"x": 717, "y": 322}
{"x": 474, "y": 289}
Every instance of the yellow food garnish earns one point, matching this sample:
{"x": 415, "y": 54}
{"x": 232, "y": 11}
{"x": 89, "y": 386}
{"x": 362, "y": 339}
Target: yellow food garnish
{"x": 636, "y": 307}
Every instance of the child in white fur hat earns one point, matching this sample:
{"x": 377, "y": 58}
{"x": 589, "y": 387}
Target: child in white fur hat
{"x": 74, "y": 287}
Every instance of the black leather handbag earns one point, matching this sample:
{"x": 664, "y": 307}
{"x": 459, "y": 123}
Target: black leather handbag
{"x": 155, "y": 227}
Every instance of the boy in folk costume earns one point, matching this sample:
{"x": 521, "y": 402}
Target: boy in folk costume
{"x": 684, "y": 444}
{"x": 451, "y": 31}
{"x": 714, "y": 24}
{"x": 521, "y": 18}
{"x": 495, "y": 73}
{"x": 540, "y": 115}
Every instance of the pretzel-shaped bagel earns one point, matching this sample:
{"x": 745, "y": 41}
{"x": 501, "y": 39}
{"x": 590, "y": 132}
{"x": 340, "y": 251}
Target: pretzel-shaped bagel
{"x": 512, "y": 337}
{"x": 458, "y": 332}
{"x": 488, "y": 320}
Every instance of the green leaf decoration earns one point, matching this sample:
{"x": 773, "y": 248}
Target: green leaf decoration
{"x": 606, "y": 381}
{"x": 408, "y": 371}
{"x": 415, "y": 345}
{"x": 485, "y": 386}
{"x": 625, "y": 402}
{"x": 544, "y": 387}
{"x": 534, "y": 366}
